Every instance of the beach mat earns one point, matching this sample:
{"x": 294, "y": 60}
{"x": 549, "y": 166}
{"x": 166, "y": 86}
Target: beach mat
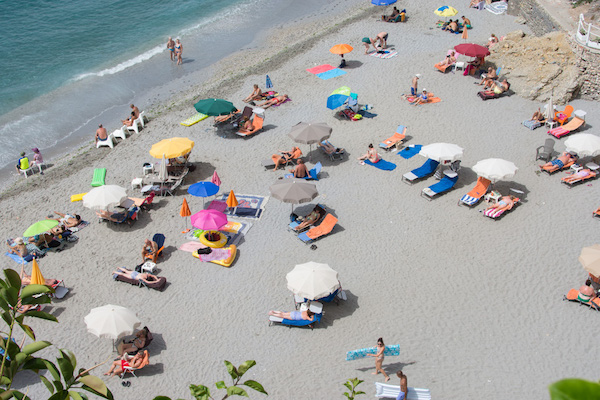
{"x": 332, "y": 73}
{"x": 98, "y": 178}
{"x": 79, "y": 226}
{"x": 320, "y": 68}
{"x": 249, "y": 206}
{"x": 191, "y": 247}
{"x": 385, "y": 55}
{"x": 194, "y": 119}
{"x": 15, "y": 257}
{"x": 382, "y": 165}
{"x": 410, "y": 151}
{"x": 283, "y": 102}
{"x": 393, "y": 350}
{"x": 430, "y": 100}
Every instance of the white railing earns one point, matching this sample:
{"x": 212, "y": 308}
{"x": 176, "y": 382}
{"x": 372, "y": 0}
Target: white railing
{"x": 588, "y": 34}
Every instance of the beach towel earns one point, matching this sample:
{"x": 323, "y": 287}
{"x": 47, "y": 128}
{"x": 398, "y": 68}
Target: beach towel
{"x": 191, "y": 247}
{"x": 98, "y": 178}
{"x": 249, "y": 206}
{"x": 194, "y": 119}
{"x": 320, "y": 68}
{"x": 385, "y": 54}
{"x": 77, "y": 197}
{"x": 532, "y": 124}
{"x": 430, "y": 99}
{"x": 393, "y": 350}
{"x": 410, "y": 151}
{"x": 382, "y": 164}
{"x": 82, "y": 224}
{"x": 497, "y": 8}
{"x": 218, "y": 205}
{"x": 495, "y": 213}
{"x": 332, "y": 73}
{"x": 285, "y": 101}
{"x": 217, "y": 254}
{"x": 17, "y": 259}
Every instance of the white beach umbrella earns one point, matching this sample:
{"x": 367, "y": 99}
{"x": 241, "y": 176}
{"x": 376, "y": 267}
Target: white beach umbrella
{"x": 495, "y": 169}
{"x": 312, "y": 280}
{"x": 590, "y": 259}
{"x": 162, "y": 171}
{"x": 103, "y": 197}
{"x": 442, "y": 152}
{"x": 584, "y": 144}
{"x": 111, "y": 321}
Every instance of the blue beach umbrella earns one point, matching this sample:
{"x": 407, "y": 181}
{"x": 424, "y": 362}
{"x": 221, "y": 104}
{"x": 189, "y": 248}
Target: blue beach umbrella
{"x": 383, "y": 2}
{"x": 203, "y": 189}
{"x": 338, "y": 97}
{"x": 269, "y": 83}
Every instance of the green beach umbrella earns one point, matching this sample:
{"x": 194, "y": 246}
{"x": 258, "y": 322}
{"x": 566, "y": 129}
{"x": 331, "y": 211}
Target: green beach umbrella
{"x": 214, "y": 107}
{"x": 40, "y": 227}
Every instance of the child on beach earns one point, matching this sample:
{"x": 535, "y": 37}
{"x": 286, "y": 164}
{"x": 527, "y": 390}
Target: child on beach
{"x": 22, "y": 163}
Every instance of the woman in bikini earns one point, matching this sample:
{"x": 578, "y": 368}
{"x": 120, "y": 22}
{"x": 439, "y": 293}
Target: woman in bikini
{"x": 140, "y": 341}
{"x": 294, "y": 315}
{"x": 309, "y": 220}
{"x": 246, "y": 125}
{"x": 178, "y": 51}
{"x": 275, "y": 100}
{"x": 370, "y": 155}
{"x": 285, "y": 157}
{"x": 379, "y": 359}
{"x": 18, "y": 247}
{"x": 255, "y": 95}
{"x": 67, "y": 220}
{"x": 118, "y": 366}
{"x": 504, "y": 204}
{"x": 136, "y": 276}
{"x": 129, "y": 121}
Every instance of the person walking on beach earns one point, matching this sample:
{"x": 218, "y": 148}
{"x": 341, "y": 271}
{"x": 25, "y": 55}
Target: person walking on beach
{"x": 100, "y": 134}
{"x": 179, "y": 51}
{"x": 379, "y": 359}
{"x": 403, "y": 386}
{"x": 171, "y": 48}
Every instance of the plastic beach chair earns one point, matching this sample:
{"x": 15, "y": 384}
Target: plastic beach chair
{"x": 383, "y": 390}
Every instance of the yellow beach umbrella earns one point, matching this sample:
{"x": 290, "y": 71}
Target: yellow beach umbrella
{"x": 36, "y": 275}
{"x": 232, "y": 201}
{"x": 446, "y": 11}
{"x": 172, "y": 148}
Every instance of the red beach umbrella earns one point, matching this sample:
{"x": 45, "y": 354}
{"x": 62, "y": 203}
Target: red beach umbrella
{"x": 472, "y": 50}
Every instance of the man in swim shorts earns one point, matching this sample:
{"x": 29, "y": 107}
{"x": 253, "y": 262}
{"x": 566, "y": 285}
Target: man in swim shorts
{"x": 382, "y": 38}
{"x": 171, "y": 48}
{"x": 559, "y": 162}
{"x": 403, "y": 386}
{"x": 101, "y": 134}
{"x": 135, "y": 110}
{"x": 415, "y": 81}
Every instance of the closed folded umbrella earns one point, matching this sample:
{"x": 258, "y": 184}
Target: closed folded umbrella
{"x": 309, "y": 133}
{"x": 584, "y": 144}
{"x": 40, "y": 227}
{"x": 294, "y": 191}
{"x": 36, "y": 275}
{"x": 472, "y": 50}
{"x": 312, "y": 280}
{"x": 104, "y": 197}
{"x": 172, "y": 147}
{"x": 112, "y": 322}
{"x": 590, "y": 259}
{"x": 495, "y": 169}
{"x": 185, "y": 210}
{"x": 215, "y": 179}
{"x": 214, "y": 107}
{"x": 446, "y": 11}
{"x": 163, "y": 174}
{"x": 442, "y": 152}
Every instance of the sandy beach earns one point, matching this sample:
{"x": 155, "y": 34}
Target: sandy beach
{"x": 475, "y": 304}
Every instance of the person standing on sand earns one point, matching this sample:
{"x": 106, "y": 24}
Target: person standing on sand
{"x": 100, "y": 134}
{"x": 179, "y": 51}
{"x": 379, "y": 359}
{"x": 171, "y": 48}
{"x": 415, "y": 82}
{"x": 403, "y": 386}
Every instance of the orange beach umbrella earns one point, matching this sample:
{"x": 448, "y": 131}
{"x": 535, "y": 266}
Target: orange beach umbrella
{"x": 341, "y": 49}
{"x": 232, "y": 202}
{"x": 36, "y": 275}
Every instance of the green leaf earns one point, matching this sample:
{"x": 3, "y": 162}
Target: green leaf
{"x": 65, "y": 367}
{"x": 20, "y": 358}
{"x": 53, "y": 370}
{"x": 35, "y": 347}
{"x": 47, "y": 383}
{"x": 58, "y": 385}
{"x": 256, "y": 386}
{"x": 32, "y": 290}
{"x": 4, "y": 304}
{"x": 108, "y": 394}
{"x": 245, "y": 366}
{"x": 574, "y": 389}
{"x": 12, "y": 278}
{"x": 348, "y": 385}
{"x": 76, "y": 396}
{"x": 27, "y": 329}
{"x": 232, "y": 370}
{"x": 221, "y": 385}
{"x": 162, "y": 398}
{"x": 200, "y": 392}
{"x": 95, "y": 383}
{"x": 35, "y": 364}
{"x": 10, "y": 295}
{"x": 359, "y": 392}
{"x": 236, "y": 391}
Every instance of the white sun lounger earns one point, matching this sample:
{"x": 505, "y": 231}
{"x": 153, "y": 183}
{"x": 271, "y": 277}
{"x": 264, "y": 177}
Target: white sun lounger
{"x": 385, "y": 391}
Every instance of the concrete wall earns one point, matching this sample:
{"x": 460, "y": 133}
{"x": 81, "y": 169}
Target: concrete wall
{"x": 589, "y": 65}
{"x": 538, "y": 20}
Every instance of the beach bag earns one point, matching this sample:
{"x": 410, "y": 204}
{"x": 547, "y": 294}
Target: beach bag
{"x": 138, "y": 268}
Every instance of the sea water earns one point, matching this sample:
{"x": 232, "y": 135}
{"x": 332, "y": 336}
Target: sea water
{"x": 66, "y": 66}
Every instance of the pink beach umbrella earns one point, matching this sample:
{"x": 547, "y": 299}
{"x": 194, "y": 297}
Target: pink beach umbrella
{"x": 215, "y": 179}
{"x": 209, "y": 220}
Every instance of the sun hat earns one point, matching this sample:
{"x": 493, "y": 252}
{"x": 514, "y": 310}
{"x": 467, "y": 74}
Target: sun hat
{"x": 418, "y": 75}
{"x": 424, "y": 90}
{"x": 35, "y": 150}
{"x": 366, "y": 40}
{"x": 19, "y": 240}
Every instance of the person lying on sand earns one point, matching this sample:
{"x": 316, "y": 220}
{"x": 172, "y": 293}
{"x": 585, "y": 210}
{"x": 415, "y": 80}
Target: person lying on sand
{"x": 275, "y": 100}
{"x": 498, "y": 87}
{"x": 370, "y": 155}
{"x": 559, "y": 162}
{"x": 577, "y": 176}
{"x": 294, "y": 315}
{"x": 17, "y": 247}
{"x": 504, "y": 204}
{"x": 67, "y": 220}
{"x": 255, "y": 95}
{"x": 136, "y": 276}
{"x": 285, "y": 157}
{"x": 118, "y": 366}
{"x": 299, "y": 170}
{"x": 150, "y": 250}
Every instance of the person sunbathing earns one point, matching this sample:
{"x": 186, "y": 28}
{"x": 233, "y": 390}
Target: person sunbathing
{"x": 449, "y": 60}
{"x": 129, "y": 121}
{"x": 26, "y": 280}
{"x": 492, "y": 41}
{"x": 474, "y": 3}
{"x": 114, "y": 217}
{"x": 559, "y": 162}
{"x": 504, "y": 204}
{"x": 300, "y": 170}
{"x": 466, "y": 22}
{"x": 246, "y": 125}
{"x": 140, "y": 341}
{"x": 118, "y": 366}
{"x": 329, "y": 148}
{"x": 452, "y": 26}
{"x": 309, "y": 220}
{"x": 473, "y": 66}
{"x": 586, "y": 292}
{"x": 285, "y": 157}
{"x": 370, "y": 155}
{"x": 577, "y": 176}
{"x": 17, "y": 247}
{"x": 393, "y": 15}
{"x": 498, "y": 88}
{"x": 68, "y": 220}
{"x": 538, "y": 116}
{"x": 58, "y": 230}
{"x": 150, "y": 250}
{"x": 420, "y": 99}
{"x": 226, "y": 117}
{"x": 136, "y": 276}
{"x": 255, "y": 95}
{"x": 489, "y": 78}
{"x": 294, "y": 315}
{"x": 43, "y": 240}
{"x": 275, "y": 100}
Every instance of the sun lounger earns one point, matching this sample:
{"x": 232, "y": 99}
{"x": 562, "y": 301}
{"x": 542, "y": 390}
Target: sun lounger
{"x": 560, "y": 131}
{"x": 532, "y": 124}
{"x": 443, "y": 68}
{"x": 333, "y": 297}
{"x": 315, "y": 307}
{"x": 225, "y": 119}
{"x": 318, "y": 232}
{"x": 313, "y": 173}
{"x": 293, "y": 158}
{"x": 223, "y": 256}
{"x": 562, "y": 116}
{"x": 444, "y": 185}
{"x": 339, "y": 153}
{"x": 158, "y": 285}
{"x": 592, "y": 175}
{"x": 487, "y": 95}
{"x": 553, "y": 168}
{"x": 292, "y": 226}
{"x": 428, "y": 168}
{"x": 129, "y": 216}
{"x": 395, "y": 140}
{"x": 573, "y": 295}
{"x": 496, "y": 214}
{"x": 98, "y": 178}
{"x": 480, "y": 189}
{"x": 385, "y": 391}
{"x": 257, "y": 122}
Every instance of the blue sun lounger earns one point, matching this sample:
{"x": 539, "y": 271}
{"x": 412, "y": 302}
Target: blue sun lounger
{"x": 428, "y": 168}
{"x": 315, "y": 307}
{"x": 444, "y": 185}
{"x": 335, "y": 296}
{"x": 292, "y": 226}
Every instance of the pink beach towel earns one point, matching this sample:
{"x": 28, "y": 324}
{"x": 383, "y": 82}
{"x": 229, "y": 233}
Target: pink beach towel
{"x": 285, "y": 101}
{"x": 216, "y": 255}
{"x": 191, "y": 247}
{"x": 320, "y": 68}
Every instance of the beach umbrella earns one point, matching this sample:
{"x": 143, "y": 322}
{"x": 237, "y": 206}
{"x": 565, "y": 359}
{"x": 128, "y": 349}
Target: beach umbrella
{"x": 269, "y": 84}
{"x": 338, "y": 97}
{"x": 112, "y": 322}
{"x": 312, "y": 280}
{"x": 103, "y": 197}
{"x": 446, "y": 11}
{"x": 172, "y": 147}
{"x": 293, "y": 191}
{"x": 584, "y": 144}
{"x": 383, "y": 2}
{"x": 232, "y": 201}
{"x": 309, "y": 133}
{"x": 40, "y": 227}
{"x": 341, "y": 49}
{"x": 203, "y": 189}
{"x": 215, "y": 179}
{"x": 185, "y": 211}
{"x": 442, "y": 152}
{"x": 162, "y": 170}
{"x": 214, "y": 107}
{"x": 590, "y": 259}
{"x": 36, "y": 275}
{"x": 209, "y": 220}
{"x": 472, "y": 50}
{"x": 495, "y": 169}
